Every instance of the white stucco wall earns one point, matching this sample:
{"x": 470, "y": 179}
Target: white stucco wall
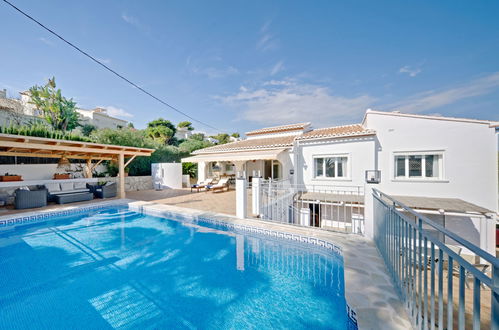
{"x": 361, "y": 157}
{"x": 168, "y": 175}
{"x": 39, "y": 171}
{"x": 469, "y": 157}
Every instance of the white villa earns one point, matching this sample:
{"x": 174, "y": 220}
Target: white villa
{"x": 21, "y": 111}
{"x": 443, "y": 167}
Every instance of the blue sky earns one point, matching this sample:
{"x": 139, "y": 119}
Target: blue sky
{"x": 241, "y": 65}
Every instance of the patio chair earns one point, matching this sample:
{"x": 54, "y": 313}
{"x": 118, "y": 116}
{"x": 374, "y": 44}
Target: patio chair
{"x": 220, "y": 186}
{"x": 201, "y": 185}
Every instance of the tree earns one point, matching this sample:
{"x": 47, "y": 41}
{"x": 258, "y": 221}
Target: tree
{"x": 160, "y": 130}
{"x": 57, "y": 110}
{"x": 236, "y": 135}
{"x": 222, "y": 138}
{"x": 190, "y": 145}
{"x": 186, "y": 124}
{"x": 130, "y": 125}
{"x": 197, "y": 137}
{"x": 87, "y": 129}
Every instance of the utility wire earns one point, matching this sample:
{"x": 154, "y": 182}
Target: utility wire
{"x": 109, "y": 69}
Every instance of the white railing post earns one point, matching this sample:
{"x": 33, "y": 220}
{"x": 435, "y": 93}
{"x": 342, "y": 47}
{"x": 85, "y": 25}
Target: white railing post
{"x": 241, "y": 197}
{"x": 256, "y": 187}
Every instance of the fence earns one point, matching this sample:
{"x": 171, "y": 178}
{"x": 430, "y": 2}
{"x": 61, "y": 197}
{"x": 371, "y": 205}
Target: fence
{"x": 420, "y": 262}
{"x": 339, "y": 208}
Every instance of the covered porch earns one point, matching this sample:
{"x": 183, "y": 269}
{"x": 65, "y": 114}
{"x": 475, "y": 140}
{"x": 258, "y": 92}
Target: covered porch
{"x": 269, "y": 164}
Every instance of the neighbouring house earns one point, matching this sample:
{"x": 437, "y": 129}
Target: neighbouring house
{"x": 99, "y": 118}
{"x": 12, "y": 111}
{"x": 22, "y": 111}
{"x": 443, "y": 167}
{"x": 183, "y": 133}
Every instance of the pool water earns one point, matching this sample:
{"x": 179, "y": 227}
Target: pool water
{"x": 114, "y": 268}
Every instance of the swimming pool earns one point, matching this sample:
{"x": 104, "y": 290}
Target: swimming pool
{"x": 111, "y": 267}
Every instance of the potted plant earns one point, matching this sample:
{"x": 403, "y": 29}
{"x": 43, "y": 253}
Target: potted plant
{"x": 62, "y": 176}
{"x": 10, "y": 177}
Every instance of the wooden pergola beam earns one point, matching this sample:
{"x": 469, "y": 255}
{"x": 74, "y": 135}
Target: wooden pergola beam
{"x": 45, "y": 155}
{"x": 129, "y": 161}
{"x": 30, "y": 146}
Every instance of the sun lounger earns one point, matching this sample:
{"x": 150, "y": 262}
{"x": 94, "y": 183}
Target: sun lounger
{"x": 220, "y": 186}
{"x": 201, "y": 185}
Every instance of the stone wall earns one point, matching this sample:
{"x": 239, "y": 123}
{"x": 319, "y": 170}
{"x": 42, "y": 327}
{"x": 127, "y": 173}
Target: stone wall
{"x": 135, "y": 183}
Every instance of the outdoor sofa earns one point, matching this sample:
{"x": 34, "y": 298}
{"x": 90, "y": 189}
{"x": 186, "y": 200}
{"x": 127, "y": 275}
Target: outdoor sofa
{"x": 68, "y": 192}
{"x": 30, "y": 197}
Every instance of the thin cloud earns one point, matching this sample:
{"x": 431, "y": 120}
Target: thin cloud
{"x": 412, "y": 72}
{"x": 211, "y": 68}
{"x": 104, "y": 60}
{"x": 295, "y": 102}
{"x": 434, "y": 99}
{"x": 117, "y": 112}
{"x": 46, "y": 41}
{"x": 130, "y": 19}
{"x": 267, "y": 40}
{"x": 278, "y": 67}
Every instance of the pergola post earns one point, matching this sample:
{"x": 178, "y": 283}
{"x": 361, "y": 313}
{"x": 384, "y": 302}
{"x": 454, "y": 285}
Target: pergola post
{"x": 88, "y": 169}
{"x": 121, "y": 175}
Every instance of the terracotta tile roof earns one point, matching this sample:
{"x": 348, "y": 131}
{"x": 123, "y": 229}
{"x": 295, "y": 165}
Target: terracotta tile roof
{"x": 264, "y": 143}
{"x": 275, "y": 129}
{"x": 287, "y": 141}
{"x": 337, "y": 131}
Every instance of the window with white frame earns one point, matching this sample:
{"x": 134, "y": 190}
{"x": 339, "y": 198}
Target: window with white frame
{"x": 331, "y": 167}
{"x": 427, "y": 165}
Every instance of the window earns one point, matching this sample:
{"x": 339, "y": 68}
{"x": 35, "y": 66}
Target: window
{"x": 330, "y": 167}
{"x": 418, "y": 166}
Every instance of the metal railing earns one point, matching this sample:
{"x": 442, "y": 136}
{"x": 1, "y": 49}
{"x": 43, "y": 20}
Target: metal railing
{"x": 338, "y": 208}
{"x": 420, "y": 263}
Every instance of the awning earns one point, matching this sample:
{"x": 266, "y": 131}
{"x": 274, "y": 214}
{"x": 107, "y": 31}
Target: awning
{"x": 447, "y": 204}
{"x": 235, "y": 156}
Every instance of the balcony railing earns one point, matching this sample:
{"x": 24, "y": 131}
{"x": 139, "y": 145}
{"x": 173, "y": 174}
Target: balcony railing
{"x": 433, "y": 279}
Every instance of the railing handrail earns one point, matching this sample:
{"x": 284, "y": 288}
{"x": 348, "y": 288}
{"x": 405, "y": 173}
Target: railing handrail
{"x": 467, "y": 244}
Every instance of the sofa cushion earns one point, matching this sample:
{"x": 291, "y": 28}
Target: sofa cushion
{"x": 67, "y": 186}
{"x": 80, "y": 185}
{"x": 53, "y": 187}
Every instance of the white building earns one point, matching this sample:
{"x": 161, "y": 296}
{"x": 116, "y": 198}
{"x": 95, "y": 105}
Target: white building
{"x": 444, "y": 167}
{"x": 99, "y": 118}
{"x": 183, "y": 133}
{"x": 22, "y": 111}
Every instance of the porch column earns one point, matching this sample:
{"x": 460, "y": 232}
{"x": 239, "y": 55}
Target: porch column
{"x": 256, "y": 190}
{"x": 241, "y": 197}
{"x": 121, "y": 176}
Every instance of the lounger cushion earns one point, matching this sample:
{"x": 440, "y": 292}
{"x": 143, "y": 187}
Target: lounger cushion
{"x": 67, "y": 186}
{"x": 53, "y": 187}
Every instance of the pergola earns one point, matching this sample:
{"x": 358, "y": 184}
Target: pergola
{"x": 30, "y": 146}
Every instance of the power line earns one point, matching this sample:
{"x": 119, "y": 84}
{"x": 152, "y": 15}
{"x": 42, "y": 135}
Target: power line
{"x": 109, "y": 69}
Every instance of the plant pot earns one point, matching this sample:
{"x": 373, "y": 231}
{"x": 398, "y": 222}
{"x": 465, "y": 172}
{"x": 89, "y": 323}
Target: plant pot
{"x": 61, "y": 176}
{"x": 5, "y": 178}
